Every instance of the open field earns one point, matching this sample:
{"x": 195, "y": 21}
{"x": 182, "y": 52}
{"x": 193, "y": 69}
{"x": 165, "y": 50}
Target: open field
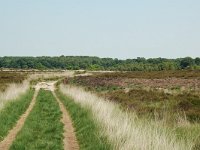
{"x": 153, "y": 92}
{"x": 103, "y": 111}
{"x": 10, "y": 77}
{"x": 166, "y": 97}
{"x": 134, "y": 133}
{"x": 99, "y": 75}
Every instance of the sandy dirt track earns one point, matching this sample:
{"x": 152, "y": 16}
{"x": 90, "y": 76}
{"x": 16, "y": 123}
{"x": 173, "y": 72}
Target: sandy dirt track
{"x": 8, "y": 140}
{"x": 69, "y": 141}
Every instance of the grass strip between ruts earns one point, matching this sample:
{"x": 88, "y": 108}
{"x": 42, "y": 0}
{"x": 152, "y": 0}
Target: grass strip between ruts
{"x": 42, "y": 129}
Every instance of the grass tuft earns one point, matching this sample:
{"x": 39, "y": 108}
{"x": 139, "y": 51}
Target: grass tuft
{"x": 125, "y": 131}
{"x": 12, "y": 111}
{"x": 13, "y": 91}
{"x": 87, "y": 131}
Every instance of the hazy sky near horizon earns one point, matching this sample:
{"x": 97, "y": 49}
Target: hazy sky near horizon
{"x": 104, "y": 28}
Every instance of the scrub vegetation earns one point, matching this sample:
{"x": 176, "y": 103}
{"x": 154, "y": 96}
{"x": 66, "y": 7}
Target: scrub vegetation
{"x": 127, "y": 131}
{"x": 12, "y": 85}
{"x": 12, "y": 92}
{"x": 167, "y": 100}
{"x": 9, "y": 77}
{"x": 148, "y": 93}
{"x": 148, "y": 110}
{"x": 87, "y": 130}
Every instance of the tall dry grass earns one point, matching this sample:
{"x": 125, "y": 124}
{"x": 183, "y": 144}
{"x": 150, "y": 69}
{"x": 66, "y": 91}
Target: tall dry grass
{"x": 46, "y": 75}
{"x": 124, "y": 130}
{"x": 15, "y": 90}
{"x": 12, "y": 92}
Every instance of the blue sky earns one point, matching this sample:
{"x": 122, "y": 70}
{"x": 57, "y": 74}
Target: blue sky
{"x": 104, "y": 28}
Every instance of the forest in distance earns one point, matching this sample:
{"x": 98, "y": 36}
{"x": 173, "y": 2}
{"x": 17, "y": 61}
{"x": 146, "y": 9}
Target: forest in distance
{"x": 96, "y": 63}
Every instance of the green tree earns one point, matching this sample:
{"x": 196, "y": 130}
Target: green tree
{"x": 197, "y": 61}
{"x": 186, "y": 62}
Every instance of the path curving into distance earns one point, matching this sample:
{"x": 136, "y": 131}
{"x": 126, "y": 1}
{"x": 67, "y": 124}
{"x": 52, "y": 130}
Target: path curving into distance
{"x": 8, "y": 140}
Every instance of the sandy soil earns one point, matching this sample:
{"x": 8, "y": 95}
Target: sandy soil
{"x": 46, "y": 85}
{"x": 8, "y": 140}
{"x": 70, "y": 141}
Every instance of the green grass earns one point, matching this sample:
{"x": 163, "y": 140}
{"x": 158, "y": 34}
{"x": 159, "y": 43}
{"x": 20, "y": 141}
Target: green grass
{"x": 190, "y": 132}
{"x": 87, "y": 131}
{"x": 42, "y": 129}
{"x": 12, "y": 111}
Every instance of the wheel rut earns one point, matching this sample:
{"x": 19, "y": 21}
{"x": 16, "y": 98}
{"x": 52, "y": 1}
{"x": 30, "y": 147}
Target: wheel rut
{"x": 8, "y": 140}
{"x": 70, "y": 141}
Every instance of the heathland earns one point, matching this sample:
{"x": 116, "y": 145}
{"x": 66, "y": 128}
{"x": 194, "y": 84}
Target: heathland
{"x": 148, "y": 110}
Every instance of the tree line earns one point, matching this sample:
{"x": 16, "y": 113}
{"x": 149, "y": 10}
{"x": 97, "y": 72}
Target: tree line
{"x": 96, "y": 63}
